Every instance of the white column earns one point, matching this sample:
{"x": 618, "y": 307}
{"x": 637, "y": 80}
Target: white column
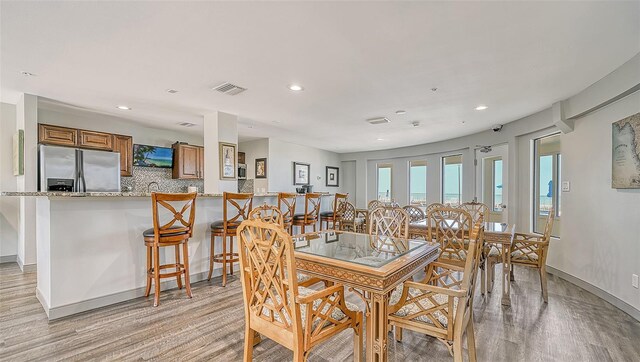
{"x": 218, "y": 127}
{"x": 27, "y": 120}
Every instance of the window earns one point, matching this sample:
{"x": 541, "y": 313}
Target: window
{"x": 452, "y": 179}
{"x": 384, "y": 182}
{"x": 497, "y": 185}
{"x": 418, "y": 182}
{"x": 548, "y": 162}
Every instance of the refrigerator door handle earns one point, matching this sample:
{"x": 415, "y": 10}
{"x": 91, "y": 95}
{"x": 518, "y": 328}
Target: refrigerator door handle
{"x": 82, "y": 185}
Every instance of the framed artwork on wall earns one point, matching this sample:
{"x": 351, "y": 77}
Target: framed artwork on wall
{"x": 332, "y": 175}
{"x": 625, "y": 162}
{"x": 228, "y": 161}
{"x": 261, "y": 168}
{"x": 301, "y": 173}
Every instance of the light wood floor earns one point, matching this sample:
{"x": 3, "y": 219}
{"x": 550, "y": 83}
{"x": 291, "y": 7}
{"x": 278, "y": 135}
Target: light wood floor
{"x": 574, "y": 326}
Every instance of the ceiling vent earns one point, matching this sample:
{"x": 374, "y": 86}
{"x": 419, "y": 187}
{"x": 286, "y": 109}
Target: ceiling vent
{"x": 228, "y": 88}
{"x": 378, "y": 120}
{"x": 186, "y": 124}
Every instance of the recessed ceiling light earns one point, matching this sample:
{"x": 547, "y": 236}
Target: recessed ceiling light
{"x": 172, "y": 91}
{"x": 380, "y": 139}
{"x": 401, "y": 112}
{"x": 27, "y": 74}
{"x": 295, "y": 87}
{"x": 124, "y": 108}
{"x": 481, "y": 107}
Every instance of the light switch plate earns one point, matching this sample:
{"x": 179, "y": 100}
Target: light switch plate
{"x": 566, "y": 186}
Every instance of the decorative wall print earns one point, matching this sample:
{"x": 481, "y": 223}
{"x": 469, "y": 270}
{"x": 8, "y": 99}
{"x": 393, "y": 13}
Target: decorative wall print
{"x": 301, "y": 173}
{"x": 228, "y": 161}
{"x": 625, "y": 170}
{"x": 332, "y": 175}
{"x": 18, "y": 153}
{"x": 261, "y": 168}
{"x": 152, "y": 156}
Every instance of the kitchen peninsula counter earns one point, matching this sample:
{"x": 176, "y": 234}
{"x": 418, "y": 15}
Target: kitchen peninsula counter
{"x": 90, "y": 250}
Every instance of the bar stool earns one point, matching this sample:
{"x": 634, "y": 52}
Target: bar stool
{"x": 311, "y": 212}
{"x": 240, "y": 205}
{"x": 289, "y": 202}
{"x": 174, "y": 233}
{"x": 330, "y": 216}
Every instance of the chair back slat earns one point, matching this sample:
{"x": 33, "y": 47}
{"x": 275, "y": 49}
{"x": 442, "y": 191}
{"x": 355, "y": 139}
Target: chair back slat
{"x": 415, "y": 213}
{"x": 312, "y": 207}
{"x": 548, "y": 227}
{"x": 389, "y": 221}
{"x": 269, "y": 282}
{"x": 450, "y": 227}
{"x": 471, "y": 266}
{"x": 187, "y": 210}
{"x": 236, "y": 208}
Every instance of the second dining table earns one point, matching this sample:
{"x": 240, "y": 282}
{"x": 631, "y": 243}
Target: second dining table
{"x": 498, "y": 235}
{"x": 372, "y": 266}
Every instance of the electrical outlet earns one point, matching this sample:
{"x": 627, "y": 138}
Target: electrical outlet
{"x": 634, "y": 280}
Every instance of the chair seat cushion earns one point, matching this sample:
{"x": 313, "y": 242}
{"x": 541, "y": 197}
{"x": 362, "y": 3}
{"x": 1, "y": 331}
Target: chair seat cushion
{"x": 298, "y": 217}
{"x": 219, "y": 225}
{"x": 150, "y": 233}
{"x": 425, "y": 303}
{"x": 494, "y": 251}
{"x": 336, "y": 313}
{"x": 530, "y": 255}
{"x": 327, "y": 213}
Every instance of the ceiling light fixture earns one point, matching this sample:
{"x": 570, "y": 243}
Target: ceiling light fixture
{"x": 401, "y": 112}
{"x": 27, "y": 74}
{"x": 124, "y": 108}
{"x": 378, "y": 120}
{"x": 380, "y": 139}
{"x": 172, "y": 91}
{"x": 481, "y": 107}
{"x": 295, "y": 87}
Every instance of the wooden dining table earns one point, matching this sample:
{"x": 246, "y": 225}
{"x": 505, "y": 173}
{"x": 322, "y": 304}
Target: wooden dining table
{"x": 498, "y": 235}
{"x": 371, "y": 266}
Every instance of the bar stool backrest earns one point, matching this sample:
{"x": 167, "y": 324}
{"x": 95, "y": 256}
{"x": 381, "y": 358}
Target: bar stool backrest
{"x": 289, "y": 202}
{"x": 267, "y": 213}
{"x": 236, "y": 208}
{"x": 311, "y": 206}
{"x": 177, "y": 224}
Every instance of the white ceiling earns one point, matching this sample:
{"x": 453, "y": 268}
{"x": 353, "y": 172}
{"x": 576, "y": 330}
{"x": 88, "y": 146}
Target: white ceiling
{"x": 356, "y": 60}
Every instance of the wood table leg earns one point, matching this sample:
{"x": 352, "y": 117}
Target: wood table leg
{"x": 377, "y": 327}
{"x": 506, "y": 275}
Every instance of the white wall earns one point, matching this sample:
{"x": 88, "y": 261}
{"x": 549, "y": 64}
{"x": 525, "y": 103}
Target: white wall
{"x": 9, "y": 206}
{"x": 280, "y": 166}
{"x": 256, "y": 149}
{"x": 105, "y": 123}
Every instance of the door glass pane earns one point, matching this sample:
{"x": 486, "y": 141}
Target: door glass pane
{"x": 384, "y": 183}
{"x": 546, "y": 184}
{"x": 452, "y": 179}
{"x": 497, "y": 185}
{"x": 547, "y": 187}
{"x": 418, "y": 182}
{"x": 559, "y": 187}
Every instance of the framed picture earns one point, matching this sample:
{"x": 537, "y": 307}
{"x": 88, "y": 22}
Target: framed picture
{"x": 332, "y": 176}
{"x": 625, "y": 170}
{"x": 261, "y": 168}
{"x": 301, "y": 173}
{"x": 228, "y": 161}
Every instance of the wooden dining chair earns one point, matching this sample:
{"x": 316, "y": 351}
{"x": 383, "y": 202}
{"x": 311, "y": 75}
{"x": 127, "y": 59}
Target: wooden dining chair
{"x": 333, "y": 216}
{"x": 476, "y": 210}
{"x": 438, "y": 308}
{"x": 531, "y": 250}
{"x": 450, "y": 227}
{"x": 176, "y": 233}
{"x": 373, "y": 204}
{"x": 311, "y": 212}
{"x": 415, "y": 213}
{"x": 389, "y": 221}
{"x": 276, "y": 307}
{"x": 349, "y": 220}
{"x": 287, "y": 205}
{"x": 431, "y": 207}
{"x": 235, "y": 209}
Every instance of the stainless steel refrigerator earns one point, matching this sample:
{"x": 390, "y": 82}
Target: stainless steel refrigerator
{"x": 71, "y": 169}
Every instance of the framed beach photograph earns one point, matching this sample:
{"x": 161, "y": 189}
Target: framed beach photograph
{"x": 301, "y": 173}
{"x": 228, "y": 161}
{"x": 332, "y": 175}
{"x": 261, "y": 168}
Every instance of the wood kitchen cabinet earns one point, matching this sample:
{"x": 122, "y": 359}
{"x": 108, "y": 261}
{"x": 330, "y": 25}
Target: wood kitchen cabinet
{"x": 56, "y": 135}
{"x": 124, "y": 145}
{"x": 95, "y": 140}
{"x": 188, "y": 161}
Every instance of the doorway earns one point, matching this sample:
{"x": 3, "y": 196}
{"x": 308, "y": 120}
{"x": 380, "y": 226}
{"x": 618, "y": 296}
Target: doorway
{"x": 492, "y": 180}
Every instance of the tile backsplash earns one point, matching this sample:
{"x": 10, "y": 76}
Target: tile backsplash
{"x": 245, "y": 186}
{"x": 142, "y": 176}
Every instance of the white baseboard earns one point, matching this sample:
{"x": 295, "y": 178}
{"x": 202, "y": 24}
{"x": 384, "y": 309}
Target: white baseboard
{"x": 74, "y": 308}
{"x": 622, "y": 305}
{"x": 8, "y": 259}
{"x": 29, "y": 268}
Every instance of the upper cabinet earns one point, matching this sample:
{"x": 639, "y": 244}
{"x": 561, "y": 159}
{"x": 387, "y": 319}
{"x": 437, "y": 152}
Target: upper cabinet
{"x": 124, "y": 145}
{"x": 55, "y": 135}
{"x": 188, "y": 161}
{"x": 95, "y": 140}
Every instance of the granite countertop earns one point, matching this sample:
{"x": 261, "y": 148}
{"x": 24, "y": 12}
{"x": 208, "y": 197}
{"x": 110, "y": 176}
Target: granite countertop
{"x": 112, "y": 194}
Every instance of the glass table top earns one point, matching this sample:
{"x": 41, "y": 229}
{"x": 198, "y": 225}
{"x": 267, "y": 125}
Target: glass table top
{"x": 355, "y": 248}
{"x": 488, "y": 226}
